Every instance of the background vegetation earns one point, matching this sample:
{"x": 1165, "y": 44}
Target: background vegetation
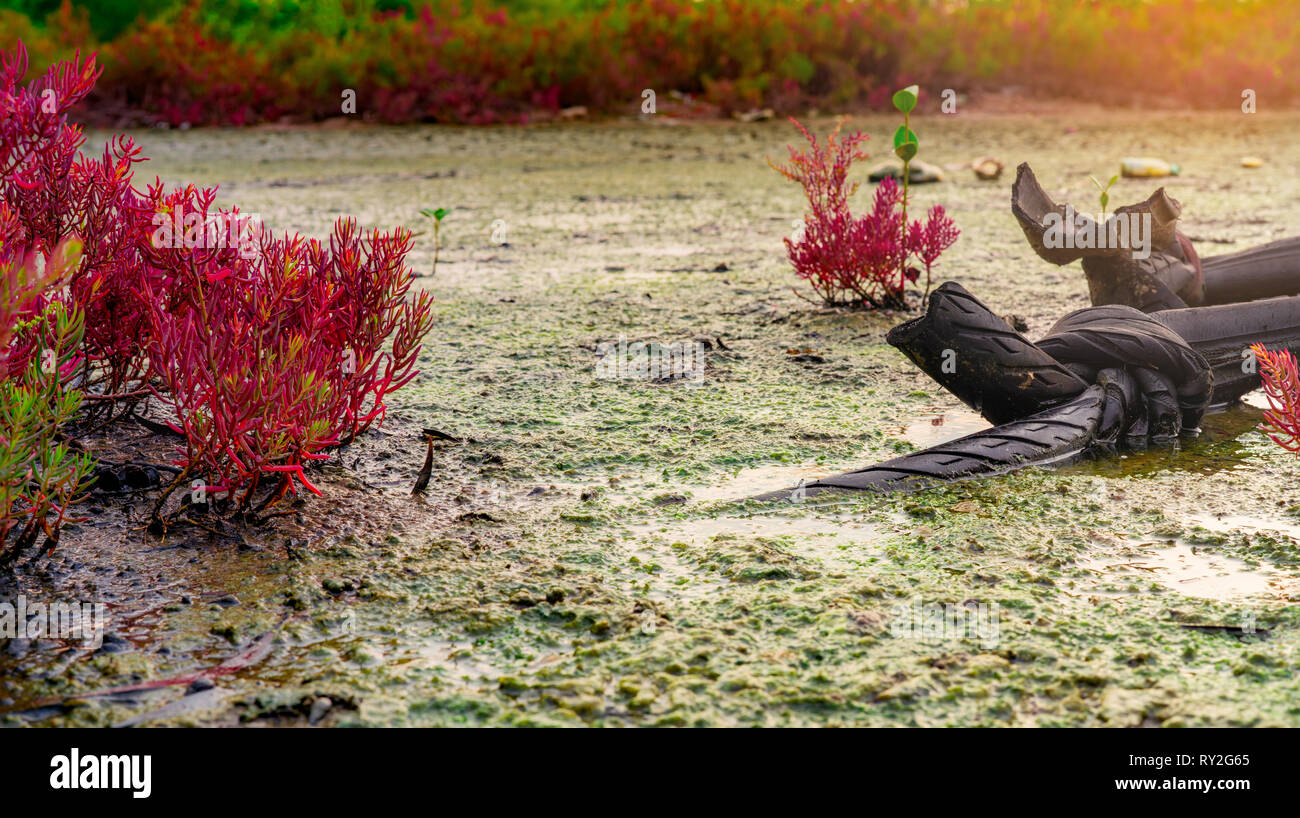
{"x": 484, "y": 61}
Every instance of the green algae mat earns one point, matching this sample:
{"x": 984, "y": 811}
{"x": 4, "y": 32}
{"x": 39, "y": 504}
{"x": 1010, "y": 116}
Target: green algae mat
{"x": 585, "y": 554}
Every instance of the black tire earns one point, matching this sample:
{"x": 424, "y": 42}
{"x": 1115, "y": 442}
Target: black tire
{"x": 1046, "y": 438}
{"x": 1266, "y": 271}
{"x": 1151, "y": 372}
{"x": 981, "y": 359}
{"x": 1222, "y": 335}
{"x": 1097, "y": 338}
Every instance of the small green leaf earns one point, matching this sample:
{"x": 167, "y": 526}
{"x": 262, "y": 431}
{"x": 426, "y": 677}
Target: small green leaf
{"x": 906, "y": 151}
{"x": 440, "y": 212}
{"x": 1105, "y": 200}
{"x": 905, "y": 100}
{"x": 430, "y": 213}
{"x": 1113, "y": 180}
{"x": 904, "y": 134}
{"x": 1096, "y": 183}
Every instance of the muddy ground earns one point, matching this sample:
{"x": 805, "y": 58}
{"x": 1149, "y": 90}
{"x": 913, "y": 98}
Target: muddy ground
{"x": 581, "y": 557}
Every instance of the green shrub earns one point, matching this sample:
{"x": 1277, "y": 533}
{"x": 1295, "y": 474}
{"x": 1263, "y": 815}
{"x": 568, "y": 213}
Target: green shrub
{"x": 40, "y": 478}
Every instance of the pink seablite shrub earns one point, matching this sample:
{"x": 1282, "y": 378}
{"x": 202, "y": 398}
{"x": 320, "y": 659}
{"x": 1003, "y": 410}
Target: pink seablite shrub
{"x": 40, "y": 331}
{"x": 37, "y": 151}
{"x": 859, "y": 261}
{"x": 928, "y": 242}
{"x": 40, "y": 342}
{"x": 1282, "y": 388}
{"x": 111, "y": 223}
{"x": 265, "y": 352}
{"x": 58, "y": 193}
{"x": 267, "y": 362}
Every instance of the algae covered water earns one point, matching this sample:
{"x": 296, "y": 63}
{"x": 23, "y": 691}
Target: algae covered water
{"x": 585, "y": 554}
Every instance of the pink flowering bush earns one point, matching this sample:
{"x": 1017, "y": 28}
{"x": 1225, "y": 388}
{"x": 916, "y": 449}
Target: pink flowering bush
{"x": 56, "y": 192}
{"x": 851, "y": 260}
{"x": 40, "y": 341}
{"x": 1281, "y": 382}
{"x": 264, "y": 352}
{"x": 266, "y": 360}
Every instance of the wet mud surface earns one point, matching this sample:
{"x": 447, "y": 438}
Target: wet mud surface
{"x": 585, "y": 555}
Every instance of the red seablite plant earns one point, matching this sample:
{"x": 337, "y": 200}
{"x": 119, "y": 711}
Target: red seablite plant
{"x": 265, "y": 351}
{"x": 40, "y": 338}
{"x": 111, "y": 222}
{"x": 57, "y": 192}
{"x": 1282, "y": 387}
{"x": 36, "y": 147}
{"x": 824, "y": 171}
{"x": 929, "y": 242}
{"x": 857, "y": 260}
{"x": 270, "y": 358}
{"x": 40, "y": 332}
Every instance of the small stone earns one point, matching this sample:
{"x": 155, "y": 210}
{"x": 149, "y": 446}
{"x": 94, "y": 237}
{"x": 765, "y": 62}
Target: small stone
{"x": 669, "y": 500}
{"x": 227, "y": 601}
{"x": 113, "y": 643}
{"x": 137, "y": 477}
{"x": 987, "y": 168}
{"x": 199, "y": 685}
{"x": 107, "y": 480}
{"x": 1018, "y": 323}
{"x": 319, "y": 708}
{"x": 921, "y": 172}
{"x": 18, "y": 648}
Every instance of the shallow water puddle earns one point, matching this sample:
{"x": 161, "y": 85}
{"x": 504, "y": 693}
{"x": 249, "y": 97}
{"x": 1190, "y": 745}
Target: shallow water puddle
{"x": 463, "y": 664}
{"x": 765, "y": 525}
{"x": 943, "y": 426}
{"x": 1215, "y": 449}
{"x": 1233, "y": 523}
{"x": 1189, "y": 570}
{"x": 829, "y": 542}
{"x": 760, "y": 479}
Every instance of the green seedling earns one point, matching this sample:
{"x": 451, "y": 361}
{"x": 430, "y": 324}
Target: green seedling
{"x": 437, "y": 214}
{"x": 905, "y": 148}
{"x": 1105, "y": 192}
